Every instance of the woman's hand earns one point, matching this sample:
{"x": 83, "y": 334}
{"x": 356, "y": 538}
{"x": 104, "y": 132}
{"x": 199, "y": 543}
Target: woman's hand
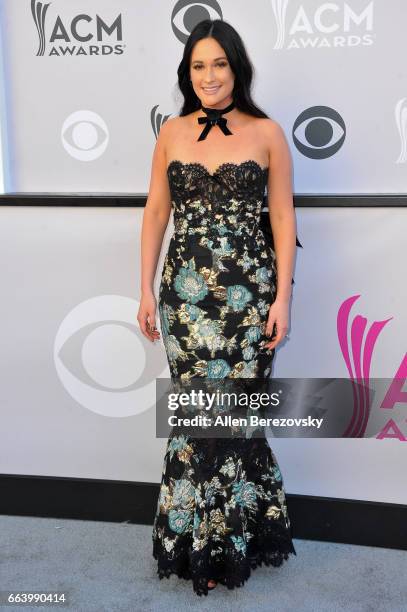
{"x": 146, "y": 316}
{"x": 278, "y": 316}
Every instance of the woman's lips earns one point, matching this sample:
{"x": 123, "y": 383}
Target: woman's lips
{"x": 211, "y": 90}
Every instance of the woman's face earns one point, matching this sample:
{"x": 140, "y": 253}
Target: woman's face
{"x": 211, "y": 75}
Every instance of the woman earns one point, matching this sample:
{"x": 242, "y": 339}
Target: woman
{"x": 222, "y": 507}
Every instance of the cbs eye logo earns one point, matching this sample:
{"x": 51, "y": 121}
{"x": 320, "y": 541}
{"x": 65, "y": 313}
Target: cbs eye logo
{"x": 186, "y": 14}
{"x": 319, "y": 132}
{"x": 84, "y": 135}
{"x": 102, "y": 360}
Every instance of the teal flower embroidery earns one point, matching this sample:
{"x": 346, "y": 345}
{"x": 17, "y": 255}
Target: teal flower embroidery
{"x": 197, "y": 521}
{"x": 262, "y": 275}
{"x": 245, "y": 494}
{"x": 276, "y": 472}
{"x": 263, "y": 307}
{"x": 248, "y": 353}
{"x": 193, "y": 311}
{"x": 253, "y": 333}
{"x": 228, "y": 468}
{"x": 209, "y": 328}
{"x": 247, "y": 262}
{"x": 177, "y": 443}
{"x": 225, "y": 249}
{"x": 238, "y": 296}
{"x": 165, "y": 311}
{"x": 220, "y": 228}
{"x": 179, "y": 520}
{"x": 239, "y": 543}
{"x": 190, "y": 285}
{"x": 173, "y": 348}
{"x": 218, "y": 368}
{"x": 183, "y": 493}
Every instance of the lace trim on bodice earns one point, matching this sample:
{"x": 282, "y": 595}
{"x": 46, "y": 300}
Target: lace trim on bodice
{"x": 220, "y": 168}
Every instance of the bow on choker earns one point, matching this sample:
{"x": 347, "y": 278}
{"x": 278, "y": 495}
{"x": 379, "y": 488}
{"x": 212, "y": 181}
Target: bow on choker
{"x": 214, "y": 117}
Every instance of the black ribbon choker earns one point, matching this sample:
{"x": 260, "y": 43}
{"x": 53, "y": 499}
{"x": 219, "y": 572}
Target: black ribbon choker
{"x": 214, "y": 117}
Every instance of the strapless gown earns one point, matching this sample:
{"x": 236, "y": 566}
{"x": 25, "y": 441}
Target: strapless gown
{"x": 222, "y": 507}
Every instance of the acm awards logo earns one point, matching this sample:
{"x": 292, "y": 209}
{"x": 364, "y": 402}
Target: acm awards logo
{"x": 400, "y": 113}
{"x": 357, "y": 342}
{"x": 157, "y": 120}
{"x": 330, "y": 24}
{"x": 81, "y": 35}
{"x": 299, "y": 26}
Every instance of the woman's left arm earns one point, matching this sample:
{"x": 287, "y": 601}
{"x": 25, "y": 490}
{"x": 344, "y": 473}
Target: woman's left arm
{"x": 283, "y": 226}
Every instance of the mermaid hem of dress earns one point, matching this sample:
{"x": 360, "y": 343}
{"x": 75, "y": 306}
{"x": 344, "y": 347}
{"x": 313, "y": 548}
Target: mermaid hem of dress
{"x": 275, "y": 548}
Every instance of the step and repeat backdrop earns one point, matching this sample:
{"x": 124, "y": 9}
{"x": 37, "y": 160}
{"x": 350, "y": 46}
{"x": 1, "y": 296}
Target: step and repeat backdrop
{"x": 85, "y": 89}
{"x": 89, "y": 84}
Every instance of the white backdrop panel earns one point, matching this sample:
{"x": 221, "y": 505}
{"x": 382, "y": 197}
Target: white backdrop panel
{"x": 77, "y": 377}
{"x": 83, "y": 122}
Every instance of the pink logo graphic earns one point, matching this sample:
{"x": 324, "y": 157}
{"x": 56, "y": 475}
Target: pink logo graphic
{"x": 358, "y": 357}
{"x": 394, "y": 395}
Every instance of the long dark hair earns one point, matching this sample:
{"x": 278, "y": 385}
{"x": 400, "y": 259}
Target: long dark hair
{"x": 239, "y": 61}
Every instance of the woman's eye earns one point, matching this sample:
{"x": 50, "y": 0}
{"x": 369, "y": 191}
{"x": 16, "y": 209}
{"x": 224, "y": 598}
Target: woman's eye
{"x": 220, "y": 65}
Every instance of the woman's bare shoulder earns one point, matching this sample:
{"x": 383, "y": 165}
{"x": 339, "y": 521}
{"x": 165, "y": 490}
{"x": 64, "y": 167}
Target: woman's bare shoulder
{"x": 271, "y": 127}
{"x": 176, "y": 122}
{"x": 172, "y": 126}
{"x": 168, "y": 125}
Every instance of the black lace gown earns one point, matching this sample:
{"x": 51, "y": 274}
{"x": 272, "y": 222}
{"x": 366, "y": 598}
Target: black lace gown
{"x": 222, "y": 507}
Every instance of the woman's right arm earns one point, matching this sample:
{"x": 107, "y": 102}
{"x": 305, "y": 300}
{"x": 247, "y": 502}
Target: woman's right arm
{"x": 155, "y": 220}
